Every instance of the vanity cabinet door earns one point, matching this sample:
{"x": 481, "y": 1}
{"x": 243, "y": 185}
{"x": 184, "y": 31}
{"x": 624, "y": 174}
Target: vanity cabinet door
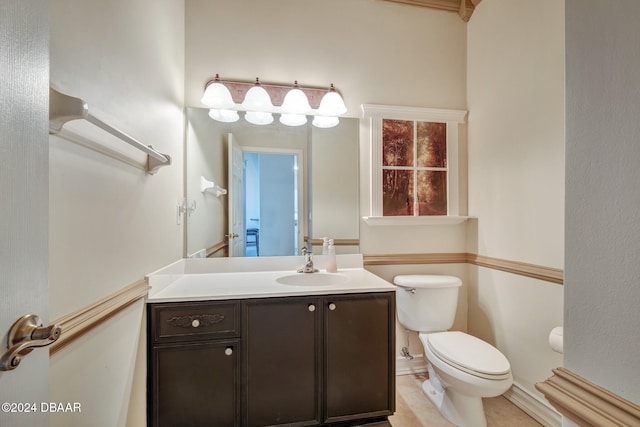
{"x": 359, "y": 363}
{"x": 281, "y": 340}
{"x": 195, "y": 384}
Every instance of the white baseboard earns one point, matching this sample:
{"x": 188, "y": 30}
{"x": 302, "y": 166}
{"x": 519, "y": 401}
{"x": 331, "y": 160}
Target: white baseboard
{"x": 406, "y": 366}
{"x": 533, "y": 406}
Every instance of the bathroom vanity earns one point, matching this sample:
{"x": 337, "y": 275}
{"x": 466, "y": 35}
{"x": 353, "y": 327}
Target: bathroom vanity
{"x": 267, "y": 347}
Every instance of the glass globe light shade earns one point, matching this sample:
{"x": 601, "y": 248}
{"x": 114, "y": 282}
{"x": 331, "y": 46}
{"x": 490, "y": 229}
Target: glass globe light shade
{"x": 332, "y": 104}
{"x": 325, "y": 121}
{"x": 226, "y": 116}
{"x": 216, "y": 95}
{"x": 257, "y": 99}
{"x": 258, "y": 117}
{"x": 293, "y": 119}
{"x": 295, "y": 102}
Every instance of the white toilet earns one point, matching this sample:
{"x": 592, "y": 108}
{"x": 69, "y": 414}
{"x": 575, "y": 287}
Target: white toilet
{"x": 462, "y": 369}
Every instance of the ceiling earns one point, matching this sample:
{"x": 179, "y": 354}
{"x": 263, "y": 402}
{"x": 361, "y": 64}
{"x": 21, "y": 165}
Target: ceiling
{"x": 464, "y": 8}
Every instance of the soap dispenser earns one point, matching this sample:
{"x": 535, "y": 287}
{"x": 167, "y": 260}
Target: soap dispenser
{"x": 332, "y": 266}
{"x": 325, "y": 246}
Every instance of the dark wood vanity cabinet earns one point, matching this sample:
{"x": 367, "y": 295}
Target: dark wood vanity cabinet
{"x": 294, "y": 361}
{"x": 193, "y": 373}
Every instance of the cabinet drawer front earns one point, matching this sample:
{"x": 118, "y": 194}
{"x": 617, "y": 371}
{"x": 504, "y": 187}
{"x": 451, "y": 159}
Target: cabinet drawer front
{"x": 179, "y": 322}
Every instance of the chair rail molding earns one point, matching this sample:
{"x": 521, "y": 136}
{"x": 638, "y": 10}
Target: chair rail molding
{"x": 81, "y": 321}
{"x": 586, "y": 403}
{"x": 547, "y": 274}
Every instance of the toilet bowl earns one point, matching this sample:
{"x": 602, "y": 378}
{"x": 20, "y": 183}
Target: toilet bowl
{"x": 462, "y": 368}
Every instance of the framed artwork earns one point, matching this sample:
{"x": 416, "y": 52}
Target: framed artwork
{"x": 414, "y": 162}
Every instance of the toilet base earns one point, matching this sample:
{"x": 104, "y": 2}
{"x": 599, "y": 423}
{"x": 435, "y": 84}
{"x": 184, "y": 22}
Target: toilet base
{"x": 463, "y": 411}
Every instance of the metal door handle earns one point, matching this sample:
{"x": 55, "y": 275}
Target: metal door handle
{"x": 232, "y": 235}
{"x": 26, "y": 334}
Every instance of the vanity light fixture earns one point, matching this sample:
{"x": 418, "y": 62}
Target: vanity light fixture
{"x": 332, "y": 103}
{"x": 293, "y": 119}
{"x": 325, "y": 121}
{"x": 217, "y": 95}
{"x": 258, "y": 117}
{"x": 257, "y": 99}
{"x": 223, "y": 115}
{"x": 260, "y": 101}
{"x": 295, "y": 101}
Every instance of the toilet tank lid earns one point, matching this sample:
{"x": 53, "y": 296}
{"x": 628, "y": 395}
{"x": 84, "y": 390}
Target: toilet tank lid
{"x": 427, "y": 281}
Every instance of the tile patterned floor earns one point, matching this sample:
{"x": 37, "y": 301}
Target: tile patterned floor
{"x": 413, "y": 409}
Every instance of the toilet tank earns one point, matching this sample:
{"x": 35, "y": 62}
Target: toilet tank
{"x": 427, "y": 303}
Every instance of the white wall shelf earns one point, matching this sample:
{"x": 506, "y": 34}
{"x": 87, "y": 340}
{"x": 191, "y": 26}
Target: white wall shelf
{"x": 415, "y": 220}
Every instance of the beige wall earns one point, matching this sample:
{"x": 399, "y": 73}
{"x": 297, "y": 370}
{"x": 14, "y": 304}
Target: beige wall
{"x": 515, "y": 81}
{"x": 110, "y": 223}
{"x": 373, "y": 51}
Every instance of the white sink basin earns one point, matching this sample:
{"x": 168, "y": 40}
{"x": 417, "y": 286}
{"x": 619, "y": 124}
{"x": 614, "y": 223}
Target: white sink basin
{"x": 312, "y": 279}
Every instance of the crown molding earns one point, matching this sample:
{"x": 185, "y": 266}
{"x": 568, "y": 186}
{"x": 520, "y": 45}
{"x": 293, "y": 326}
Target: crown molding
{"x": 464, "y": 8}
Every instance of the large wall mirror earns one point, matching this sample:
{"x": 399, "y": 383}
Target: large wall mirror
{"x": 290, "y": 187}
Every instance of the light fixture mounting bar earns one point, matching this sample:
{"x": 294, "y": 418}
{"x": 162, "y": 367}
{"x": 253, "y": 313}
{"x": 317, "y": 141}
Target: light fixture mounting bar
{"x": 277, "y": 92}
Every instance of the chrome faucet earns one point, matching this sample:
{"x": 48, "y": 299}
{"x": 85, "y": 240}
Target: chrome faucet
{"x": 308, "y": 261}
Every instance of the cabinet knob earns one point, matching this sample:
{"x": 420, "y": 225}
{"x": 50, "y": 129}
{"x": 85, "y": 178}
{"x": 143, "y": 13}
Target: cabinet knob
{"x": 195, "y": 323}
{"x": 312, "y": 307}
{"x": 228, "y": 351}
{"x": 332, "y": 306}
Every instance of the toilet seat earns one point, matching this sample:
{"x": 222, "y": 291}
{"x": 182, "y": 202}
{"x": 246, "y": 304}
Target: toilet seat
{"x": 469, "y": 354}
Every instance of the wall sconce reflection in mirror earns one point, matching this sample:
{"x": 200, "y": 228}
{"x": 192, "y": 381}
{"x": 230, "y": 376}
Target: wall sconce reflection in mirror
{"x": 260, "y": 101}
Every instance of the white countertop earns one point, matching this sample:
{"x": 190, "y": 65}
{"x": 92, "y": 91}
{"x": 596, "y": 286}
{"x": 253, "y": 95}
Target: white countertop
{"x": 239, "y": 278}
